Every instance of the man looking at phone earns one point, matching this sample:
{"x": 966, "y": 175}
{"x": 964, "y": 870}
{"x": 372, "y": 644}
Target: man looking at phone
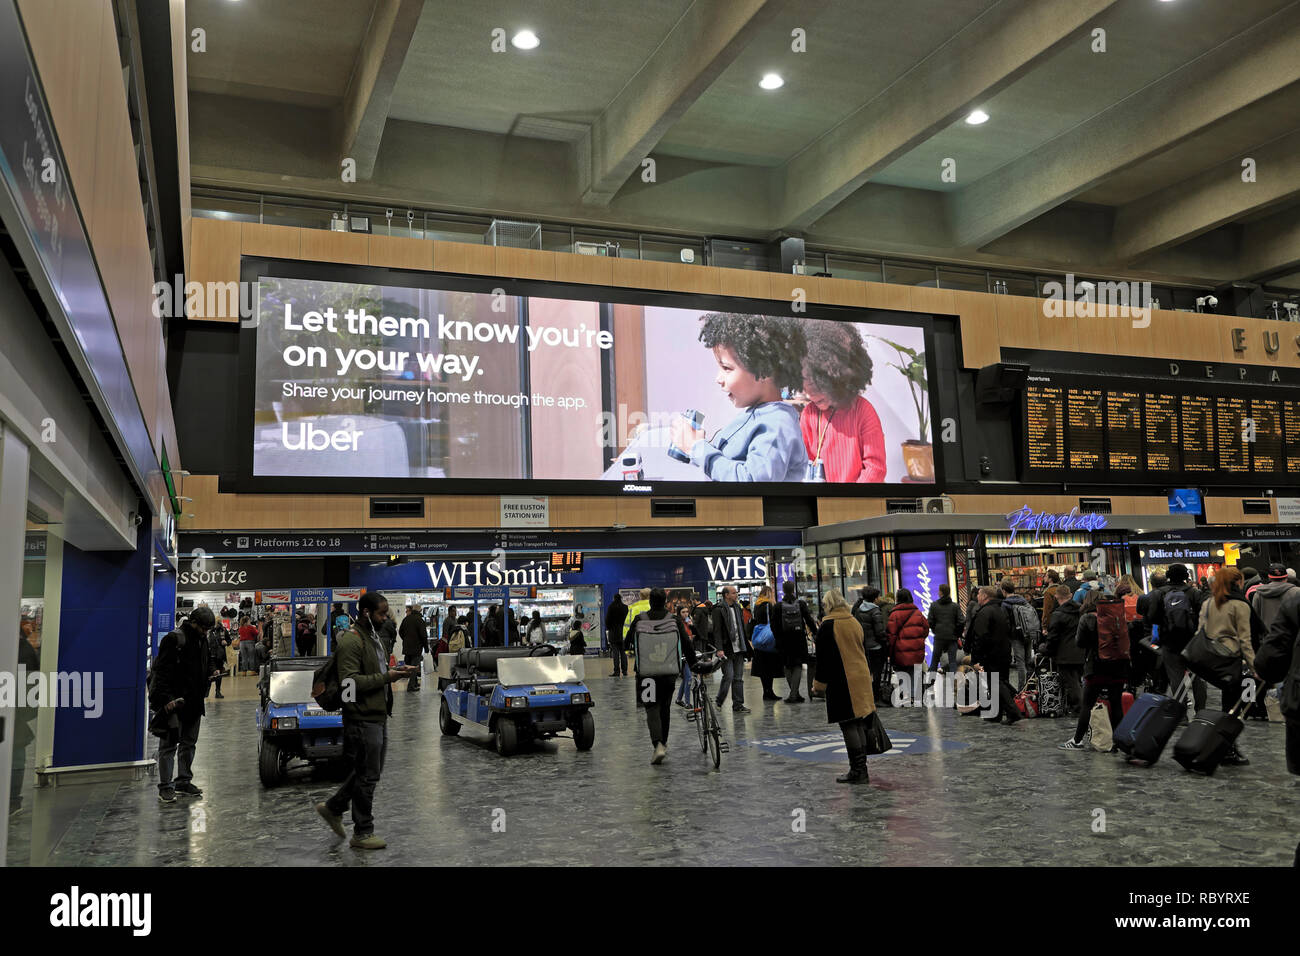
{"x": 366, "y": 681}
{"x": 177, "y": 686}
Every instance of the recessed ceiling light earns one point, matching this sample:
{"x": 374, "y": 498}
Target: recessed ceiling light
{"x": 771, "y": 81}
{"x": 977, "y": 118}
{"x": 525, "y": 40}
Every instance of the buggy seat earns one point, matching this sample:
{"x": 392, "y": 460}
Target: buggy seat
{"x": 482, "y": 662}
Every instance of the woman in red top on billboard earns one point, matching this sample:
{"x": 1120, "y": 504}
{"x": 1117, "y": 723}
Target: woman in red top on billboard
{"x": 841, "y": 429}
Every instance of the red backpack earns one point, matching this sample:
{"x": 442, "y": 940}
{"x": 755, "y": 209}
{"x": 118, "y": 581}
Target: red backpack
{"x": 1112, "y": 630}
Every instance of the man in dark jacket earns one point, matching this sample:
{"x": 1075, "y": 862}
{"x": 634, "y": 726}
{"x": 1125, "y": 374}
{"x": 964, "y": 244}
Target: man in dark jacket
{"x": 415, "y": 641}
{"x": 1059, "y": 645}
{"x": 792, "y": 640}
{"x": 1024, "y": 636}
{"x": 218, "y": 641}
{"x": 729, "y": 633}
{"x": 1173, "y": 636}
{"x": 24, "y": 717}
{"x": 947, "y": 622}
{"x": 1278, "y": 660}
{"x": 991, "y": 652}
{"x": 177, "y": 686}
{"x": 365, "y": 679}
{"x": 615, "y": 618}
{"x": 868, "y": 614}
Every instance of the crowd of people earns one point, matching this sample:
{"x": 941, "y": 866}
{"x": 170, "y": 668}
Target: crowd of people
{"x": 847, "y": 652}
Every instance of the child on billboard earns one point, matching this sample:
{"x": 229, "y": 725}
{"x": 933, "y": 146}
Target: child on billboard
{"x": 758, "y": 357}
{"x": 841, "y": 430}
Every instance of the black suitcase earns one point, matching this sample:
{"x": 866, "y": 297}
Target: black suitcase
{"x": 1149, "y": 725}
{"x": 1208, "y": 739}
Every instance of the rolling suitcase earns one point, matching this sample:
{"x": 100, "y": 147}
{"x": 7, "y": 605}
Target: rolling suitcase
{"x": 1208, "y": 739}
{"x": 1148, "y": 726}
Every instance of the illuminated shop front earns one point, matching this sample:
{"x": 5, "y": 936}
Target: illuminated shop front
{"x": 922, "y": 551}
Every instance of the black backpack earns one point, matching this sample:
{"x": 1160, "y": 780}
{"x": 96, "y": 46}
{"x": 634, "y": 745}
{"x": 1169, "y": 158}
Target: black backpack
{"x": 707, "y": 626}
{"x": 153, "y": 669}
{"x": 325, "y": 688}
{"x": 1179, "y": 619}
{"x": 791, "y": 619}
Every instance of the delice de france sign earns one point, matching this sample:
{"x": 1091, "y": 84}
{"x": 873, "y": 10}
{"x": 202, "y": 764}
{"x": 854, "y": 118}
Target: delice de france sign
{"x": 525, "y": 511}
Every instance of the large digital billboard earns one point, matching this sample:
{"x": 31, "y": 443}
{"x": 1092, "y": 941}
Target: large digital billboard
{"x": 450, "y": 385}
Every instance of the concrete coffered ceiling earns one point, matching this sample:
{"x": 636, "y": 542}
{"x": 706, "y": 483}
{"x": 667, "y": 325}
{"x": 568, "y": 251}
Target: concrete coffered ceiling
{"x": 1123, "y": 162}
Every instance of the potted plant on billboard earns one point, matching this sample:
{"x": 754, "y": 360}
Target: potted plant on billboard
{"x": 918, "y": 453}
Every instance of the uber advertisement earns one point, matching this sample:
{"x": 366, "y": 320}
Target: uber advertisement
{"x": 377, "y": 381}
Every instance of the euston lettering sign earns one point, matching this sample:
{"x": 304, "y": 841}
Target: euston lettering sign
{"x": 1027, "y": 519}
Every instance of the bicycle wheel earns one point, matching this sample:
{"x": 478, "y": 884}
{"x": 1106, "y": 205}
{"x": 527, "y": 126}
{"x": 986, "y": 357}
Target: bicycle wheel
{"x": 701, "y": 725}
{"x": 714, "y": 740}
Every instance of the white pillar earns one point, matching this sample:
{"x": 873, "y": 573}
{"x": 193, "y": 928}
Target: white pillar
{"x": 13, "y": 531}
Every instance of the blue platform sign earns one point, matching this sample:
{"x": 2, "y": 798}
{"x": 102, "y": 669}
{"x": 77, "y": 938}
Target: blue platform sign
{"x": 1185, "y": 501}
{"x": 828, "y": 746}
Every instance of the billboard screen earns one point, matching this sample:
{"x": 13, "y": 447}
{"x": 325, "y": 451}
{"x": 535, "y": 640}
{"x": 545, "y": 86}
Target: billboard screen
{"x": 393, "y": 382}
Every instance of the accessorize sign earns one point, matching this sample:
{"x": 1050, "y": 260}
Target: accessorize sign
{"x": 1027, "y": 519}
{"x": 525, "y": 511}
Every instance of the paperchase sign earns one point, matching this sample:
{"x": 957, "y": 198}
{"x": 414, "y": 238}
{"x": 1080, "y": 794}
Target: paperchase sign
{"x": 1027, "y": 519}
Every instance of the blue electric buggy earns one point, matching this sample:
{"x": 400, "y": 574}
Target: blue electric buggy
{"x": 520, "y": 694}
{"x": 291, "y": 725}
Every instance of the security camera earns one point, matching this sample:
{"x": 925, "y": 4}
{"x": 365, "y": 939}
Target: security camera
{"x": 134, "y": 520}
{"x": 1206, "y": 302}
{"x": 388, "y": 213}
{"x": 410, "y": 215}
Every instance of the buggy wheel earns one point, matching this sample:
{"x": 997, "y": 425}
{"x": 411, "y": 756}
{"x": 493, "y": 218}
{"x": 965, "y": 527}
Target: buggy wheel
{"x": 449, "y": 725}
{"x": 507, "y": 736}
{"x": 269, "y": 766}
{"x": 584, "y": 733}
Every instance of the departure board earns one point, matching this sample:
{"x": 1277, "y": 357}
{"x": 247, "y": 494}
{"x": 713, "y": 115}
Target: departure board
{"x": 1164, "y": 452}
{"x": 1124, "y": 430}
{"x": 1079, "y": 426}
{"x": 1084, "y": 428}
{"x": 1199, "y": 457}
{"x": 1266, "y": 449}
{"x": 1291, "y": 435}
{"x": 1229, "y": 423}
{"x": 1046, "y": 428}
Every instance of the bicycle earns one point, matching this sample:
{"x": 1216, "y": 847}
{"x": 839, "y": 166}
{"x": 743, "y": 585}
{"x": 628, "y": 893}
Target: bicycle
{"x": 701, "y": 709}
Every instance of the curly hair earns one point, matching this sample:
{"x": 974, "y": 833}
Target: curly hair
{"x": 767, "y": 346}
{"x": 836, "y": 362}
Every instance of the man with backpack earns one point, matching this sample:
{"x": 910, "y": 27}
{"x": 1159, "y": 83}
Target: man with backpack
{"x": 178, "y": 684}
{"x": 791, "y": 624}
{"x": 658, "y": 639}
{"x": 365, "y": 682}
{"x": 1024, "y": 632}
{"x": 1175, "y": 609}
{"x": 458, "y": 635}
{"x": 946, "y": 622}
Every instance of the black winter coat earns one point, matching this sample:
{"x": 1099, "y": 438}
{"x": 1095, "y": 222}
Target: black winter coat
{"x": 415, "y": 635}
{"x": 181, "y": 672}
{"x": 793, "y": 647}
{"x": 946, "y": 620}
{"x": 1278, "y": 658}
{"x": 615, "y": 617}
{"x": 1060, "y": 644}
{"x": 991, "y": 638}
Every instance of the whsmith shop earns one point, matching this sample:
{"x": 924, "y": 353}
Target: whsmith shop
{"x": 558, "y": 574}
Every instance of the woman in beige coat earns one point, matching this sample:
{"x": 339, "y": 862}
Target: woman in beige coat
{"x": 843, "y": 675}
{"x": 1227, "y": 620}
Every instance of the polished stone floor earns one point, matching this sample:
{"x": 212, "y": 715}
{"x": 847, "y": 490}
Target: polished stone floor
{"x": 957, "y": 791}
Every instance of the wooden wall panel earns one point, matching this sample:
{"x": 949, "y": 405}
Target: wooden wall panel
{"x": 524, "y": 264}
{"x": 1063, "y": 333}
{"x": 978, "y": 328}
{"x": 939, "y": 301}
{"x": 835, "y": 510}
{"x": 275, "y": 242}
{"x": 584, "y": 512}
{"x": 840, "y": 291}
{"x": 1018, "y": 319}
{"x": 742, "y": 282}
{"x": 588, "y": 270}
{"x": 326, "y": 245}
{"x": 709, "y": 512}
{"x": 464, "y": 258}
{"x": 640, "y": 273}
{"x": 1255, "y": 331}
{"x": 1230, "y": 511}
{"x": 401, "y": 252}
{"x": 883, "y": 295}
{"x": 705, "y": 280}
{"x": 214, "y": 257}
